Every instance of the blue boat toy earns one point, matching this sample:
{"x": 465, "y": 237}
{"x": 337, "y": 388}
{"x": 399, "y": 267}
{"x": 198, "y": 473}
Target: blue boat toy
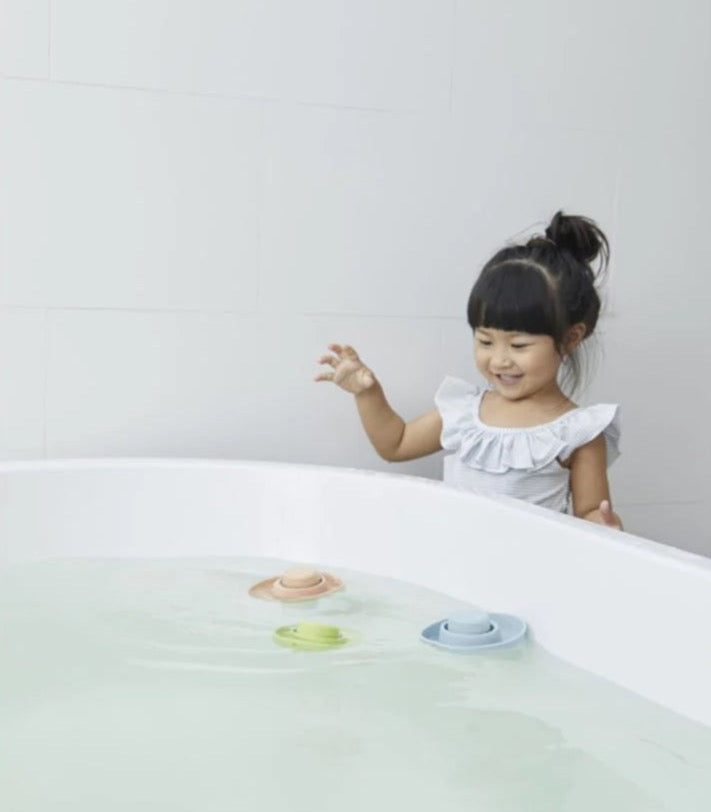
{"x": 472, "y": 630}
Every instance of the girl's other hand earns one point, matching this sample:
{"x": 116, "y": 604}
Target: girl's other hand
{"x": 608, "y": 516}
{"x": 349, "y": 372}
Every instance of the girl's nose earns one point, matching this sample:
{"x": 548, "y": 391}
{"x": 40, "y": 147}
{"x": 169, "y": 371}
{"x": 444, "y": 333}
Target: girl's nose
{"x": 500, "y": 357}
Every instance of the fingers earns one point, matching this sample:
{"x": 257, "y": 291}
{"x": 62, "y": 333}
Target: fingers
{"x": 344, "y": 351}
{"x": 606, "y": 512}
{"x": 608, "y": 517}
{"x": 349, "y": 372}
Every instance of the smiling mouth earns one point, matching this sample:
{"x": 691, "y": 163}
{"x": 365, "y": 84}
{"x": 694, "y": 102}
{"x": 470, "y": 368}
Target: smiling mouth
{"x": 509, "y": 379}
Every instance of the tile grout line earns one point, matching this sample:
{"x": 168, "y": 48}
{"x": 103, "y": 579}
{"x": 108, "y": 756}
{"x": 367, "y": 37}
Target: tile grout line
{"x": 45, "y": 379}
{"x": 261, "y": 172}
{"x": 49, "y": 40}
{"x": 252, "y": 313}
{"x": 452, "y": 54}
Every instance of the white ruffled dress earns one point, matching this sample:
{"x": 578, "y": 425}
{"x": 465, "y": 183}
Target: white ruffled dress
{"x": 518, "y": 462}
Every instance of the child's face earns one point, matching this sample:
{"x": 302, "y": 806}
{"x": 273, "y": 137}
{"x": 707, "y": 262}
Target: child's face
{"x": 518, "y": 365}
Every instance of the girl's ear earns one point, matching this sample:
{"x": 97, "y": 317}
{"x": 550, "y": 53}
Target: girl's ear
{"x": 574, "y": 336}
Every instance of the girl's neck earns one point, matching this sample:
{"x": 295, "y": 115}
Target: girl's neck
{"x": 540, "y": 407}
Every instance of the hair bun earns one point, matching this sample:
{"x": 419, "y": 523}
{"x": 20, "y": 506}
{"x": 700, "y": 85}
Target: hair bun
{"x": 580, "y": 236}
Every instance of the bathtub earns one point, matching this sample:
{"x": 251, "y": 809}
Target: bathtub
{"x": 624, "y": 608}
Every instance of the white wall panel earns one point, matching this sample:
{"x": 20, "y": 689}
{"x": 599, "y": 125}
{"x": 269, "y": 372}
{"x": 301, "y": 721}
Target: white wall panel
{"x": 24, "y": 38}
{"x": 115, "y": 198}
{"x": 387, "y": 54}
{"x": 602, "y": 66}
{"x": 218, "y": 385}
{"x": 22, "y": 372}
{"x": 359, "y": 215}
{"x": 661, "y": 273}
{"x": 370, "y": 213}
{"x": 200, "y": 47}
{"x": 147, "y": 383}
{"x": 393, "y": 54}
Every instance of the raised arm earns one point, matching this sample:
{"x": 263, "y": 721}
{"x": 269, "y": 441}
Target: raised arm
{"x": 393, "y": 438}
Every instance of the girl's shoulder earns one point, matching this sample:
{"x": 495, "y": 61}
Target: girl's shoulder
{"x": 499, "y": 449}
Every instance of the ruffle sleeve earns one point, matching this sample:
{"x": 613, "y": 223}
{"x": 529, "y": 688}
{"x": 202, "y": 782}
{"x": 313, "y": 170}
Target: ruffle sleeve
{"x": 457, "y": 402}
{"x": 497, "y": 450}
{"x": 586, "y": 423}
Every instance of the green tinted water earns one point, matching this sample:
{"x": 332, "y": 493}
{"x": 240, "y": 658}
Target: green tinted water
{"x": 156, "y": 685}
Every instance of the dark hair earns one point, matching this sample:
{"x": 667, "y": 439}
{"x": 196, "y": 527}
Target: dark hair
{"x": 545, "y": 286}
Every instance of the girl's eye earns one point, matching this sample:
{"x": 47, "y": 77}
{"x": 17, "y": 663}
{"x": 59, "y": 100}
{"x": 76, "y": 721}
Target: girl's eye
{"x": 484, "y": 342}
{"x": 519, "y": 346}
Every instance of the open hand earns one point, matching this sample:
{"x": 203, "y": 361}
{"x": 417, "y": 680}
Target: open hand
{"x": 608, "y": 516}
{"x": 349, "y": 372}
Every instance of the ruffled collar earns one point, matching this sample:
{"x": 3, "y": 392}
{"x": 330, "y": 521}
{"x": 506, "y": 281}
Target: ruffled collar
{"x": 498, "y": 449}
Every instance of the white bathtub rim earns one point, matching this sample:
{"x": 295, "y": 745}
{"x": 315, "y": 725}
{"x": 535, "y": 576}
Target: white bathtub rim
{"x": 614, "y": 539}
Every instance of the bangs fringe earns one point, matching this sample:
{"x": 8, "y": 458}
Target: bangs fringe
{"x": 517, "y": 297}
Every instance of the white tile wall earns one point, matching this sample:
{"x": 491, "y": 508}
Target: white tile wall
{"x": 662, "y": 261}
{"x": 215, "y": 46}
{"x": 132, "y": 383}
{"x": 224, "y": 385}
{"x": 602, "y": 66}
{"x": 116, "y": 198}
{"x": 374, "y": 213}
{"x": 357, "y": 213}
{"x": 22, "y": 374}
{"x": 24, "y": 38}
{"x": 394, "y": 55}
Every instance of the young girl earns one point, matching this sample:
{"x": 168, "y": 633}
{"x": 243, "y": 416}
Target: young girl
{"x": 530, "y": 309}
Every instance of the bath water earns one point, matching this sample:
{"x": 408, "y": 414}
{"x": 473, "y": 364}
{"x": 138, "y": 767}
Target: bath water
{"x": 156, "y": 685}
